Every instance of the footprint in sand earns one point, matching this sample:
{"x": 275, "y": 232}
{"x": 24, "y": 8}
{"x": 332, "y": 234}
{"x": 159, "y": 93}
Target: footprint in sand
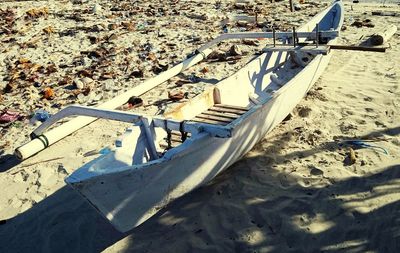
{"x": 368, "y": 99}
{"x": 304, "y": 111}
{"x": 316, "y": 172}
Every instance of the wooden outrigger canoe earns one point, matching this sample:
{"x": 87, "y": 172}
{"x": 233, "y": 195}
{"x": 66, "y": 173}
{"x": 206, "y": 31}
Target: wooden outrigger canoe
{"x": 207, "y": 134}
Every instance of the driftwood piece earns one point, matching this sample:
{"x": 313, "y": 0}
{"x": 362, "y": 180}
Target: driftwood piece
{"x": 382, "y": 37}
{"x": 358, "y": 48}
{"x": 385, "y": 13}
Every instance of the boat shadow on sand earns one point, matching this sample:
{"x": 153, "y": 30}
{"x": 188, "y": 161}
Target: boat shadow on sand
{"x": 251, "y": 207}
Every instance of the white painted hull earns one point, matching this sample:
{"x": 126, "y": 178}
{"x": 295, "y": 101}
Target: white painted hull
{"x": 129, "y": 197}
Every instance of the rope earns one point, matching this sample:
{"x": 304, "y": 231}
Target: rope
{"x": 183, "y": 133}
{"x": 363, "y": 144}
{"x": 169, "y": 135}
{"x": 41, "y": 138}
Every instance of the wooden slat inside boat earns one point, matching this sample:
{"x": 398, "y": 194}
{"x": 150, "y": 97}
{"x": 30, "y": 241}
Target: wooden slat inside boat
{"x": 220, "y": 114}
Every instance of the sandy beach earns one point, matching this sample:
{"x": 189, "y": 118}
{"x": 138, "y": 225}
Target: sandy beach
{"x": 296, "y": 191}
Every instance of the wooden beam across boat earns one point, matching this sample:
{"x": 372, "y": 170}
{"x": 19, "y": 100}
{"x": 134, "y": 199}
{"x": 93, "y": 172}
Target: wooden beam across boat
{"x": 240, "y": 108}
{"x": 221, "y": 119}
{"x": 225, "y": 109}
{"x": 208, "y": 121}
{"x": 221, "y": 114}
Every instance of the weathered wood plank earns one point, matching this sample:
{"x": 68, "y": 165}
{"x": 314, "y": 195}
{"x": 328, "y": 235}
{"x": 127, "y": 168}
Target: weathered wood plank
{"x": 222, "y": 109}
{"x": 221, "y": 114}
{"x": 225, "y": 120}
{"x": 232, "y": 107}
{"x": 208, "y": 121}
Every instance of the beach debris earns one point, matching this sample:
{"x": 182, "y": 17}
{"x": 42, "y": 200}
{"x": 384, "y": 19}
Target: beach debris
{"x": 382, "y": 37}
{"x": 61, "y": 169}
{"x": 217, "y": 55}
{"x": 7, "y": 21}
{"x": 96, "y": 9}
{"x": 364, "y": 144}
{"x": 365, "y": 22}
{"x": 91, "y": 153}
{"x": 141, "y": 26}
{"x": 78, "y": 83}
{"x": 48, "y": 93}
{"x": 128, "y": 26}
{"x": 204, "y": 70}
{"x": 40, "y": 115}
{"x": 250, "y": 42}
{"x": 48, "y": 30}
{"x": 138, "y": 73}
{"x": 159, "y": 67}
{"x": 37, "y": 13}
{"x": 234, "y": 51}
{"x": 232, "y": 54}
{"x": 134, "y": 102}
{"x": 202, "y": 17}
{"x": 182, "y": 82}
{"x": 351, "y": 156}
{"x": 177, "y": 95}
{"x": 87, "y": 81}
{"x": 194, "y": 78}
{"x": 386, "y": 13}
{"x": 8, "y": 116}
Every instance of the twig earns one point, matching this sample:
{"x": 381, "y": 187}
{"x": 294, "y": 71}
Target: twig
{"x": 30, "y": 164}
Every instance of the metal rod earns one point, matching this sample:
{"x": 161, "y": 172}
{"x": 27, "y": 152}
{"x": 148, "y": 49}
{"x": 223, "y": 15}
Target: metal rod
{"x": 291, "y": 5}
{"x": 317, "y": 34}
{"x": 265, "y": 35}
{"x": 273, "y": 35}
{"x": 294, "y": 36}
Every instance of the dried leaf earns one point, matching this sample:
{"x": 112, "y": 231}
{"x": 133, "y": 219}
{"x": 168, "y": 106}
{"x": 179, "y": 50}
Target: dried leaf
{"x": 48, "y": 93}
{"x": 48, "y": 30}
{"x": 36, "y": 13}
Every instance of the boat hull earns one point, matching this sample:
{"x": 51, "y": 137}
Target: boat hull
{"x": 128, "y": 198}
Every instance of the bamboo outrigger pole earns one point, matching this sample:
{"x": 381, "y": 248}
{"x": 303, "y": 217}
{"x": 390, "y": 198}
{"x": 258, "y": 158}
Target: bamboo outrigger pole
{"x": 43, "y": 141}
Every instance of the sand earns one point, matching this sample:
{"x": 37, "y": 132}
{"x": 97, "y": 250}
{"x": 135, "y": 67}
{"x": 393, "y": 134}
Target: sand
{"x": 294, "y": 192}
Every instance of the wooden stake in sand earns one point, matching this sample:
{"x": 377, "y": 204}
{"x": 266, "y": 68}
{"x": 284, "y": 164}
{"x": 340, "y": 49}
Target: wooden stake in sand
{"x": 382, "y": 37}
{"x": 43, "y": 141}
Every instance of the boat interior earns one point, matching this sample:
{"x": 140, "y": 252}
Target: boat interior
{"x": 223, "y": 105}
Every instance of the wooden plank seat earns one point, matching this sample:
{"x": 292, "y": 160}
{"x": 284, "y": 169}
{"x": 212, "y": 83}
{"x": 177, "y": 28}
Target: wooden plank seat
{"x": 176, "y": 139}
{"x": 220, "y": 114}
